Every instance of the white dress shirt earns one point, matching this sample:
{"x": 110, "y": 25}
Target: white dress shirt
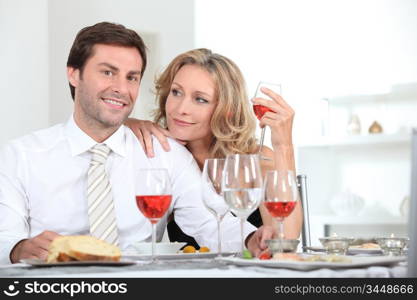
{"x": 43, "y": 182}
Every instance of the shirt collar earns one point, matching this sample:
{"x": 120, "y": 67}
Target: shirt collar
{"x": 81, "y": 142}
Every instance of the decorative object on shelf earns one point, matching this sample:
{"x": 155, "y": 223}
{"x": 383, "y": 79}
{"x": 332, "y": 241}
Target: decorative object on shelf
{"x": 354, "y": 125}
{"x": 405, "y": 206}
{"x": 375, "y": 128}
{"x": 347, "y": 203}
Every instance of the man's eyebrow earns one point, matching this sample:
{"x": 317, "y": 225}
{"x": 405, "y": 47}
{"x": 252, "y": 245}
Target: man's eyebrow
{"x": 109, "y": 66}
{"x": 134, "y": 73}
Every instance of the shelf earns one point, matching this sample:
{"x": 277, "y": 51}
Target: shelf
{"x": 357, "y": 99}
{"x": 358, "y": 140}
{"x": 358, "y": 220}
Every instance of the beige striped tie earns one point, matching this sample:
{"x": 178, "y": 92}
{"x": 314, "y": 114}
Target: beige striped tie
{"x": 101, "y": 212}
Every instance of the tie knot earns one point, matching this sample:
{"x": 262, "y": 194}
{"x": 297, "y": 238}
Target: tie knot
{"x": 100, "y": 153}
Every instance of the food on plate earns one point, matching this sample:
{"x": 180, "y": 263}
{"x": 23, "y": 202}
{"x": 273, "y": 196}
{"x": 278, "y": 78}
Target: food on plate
{"x": 311, "y": 258}
{"x": 265, "y": 255}
{"x": 81, "y": 248}
{"x": 366, "y": 246}
{"x": 287, "y": 257}
{"x": 328, "y": 258}
{"x": 189, "y": 249}
{"x": 204, "y": 249}
{"x": 246, "y": 254}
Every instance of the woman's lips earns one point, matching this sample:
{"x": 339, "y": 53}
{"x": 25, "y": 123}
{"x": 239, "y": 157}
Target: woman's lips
{"x": 182, "y": 123}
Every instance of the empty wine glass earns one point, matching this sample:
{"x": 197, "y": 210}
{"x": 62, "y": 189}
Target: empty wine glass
{"x": 212, "y": 193}
{"x": 281, "y": 196}
{"x": 242, "y": 186}
{"x": 153, "y": 197}
{"x": 260, "y": 110}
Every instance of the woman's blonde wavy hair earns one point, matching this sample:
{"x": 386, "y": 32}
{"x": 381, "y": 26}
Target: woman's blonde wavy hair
{"x": 232, "y": 123}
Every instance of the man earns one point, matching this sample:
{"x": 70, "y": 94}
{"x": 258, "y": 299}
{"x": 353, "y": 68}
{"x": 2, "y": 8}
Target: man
{"x": 79, "y": 177}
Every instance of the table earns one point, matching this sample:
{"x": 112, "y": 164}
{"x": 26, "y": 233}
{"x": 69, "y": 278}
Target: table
{"x": 196, "y": 268}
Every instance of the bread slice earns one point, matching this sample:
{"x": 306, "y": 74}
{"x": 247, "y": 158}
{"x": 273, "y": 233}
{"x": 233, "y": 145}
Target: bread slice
{"x": 81, "y": 248}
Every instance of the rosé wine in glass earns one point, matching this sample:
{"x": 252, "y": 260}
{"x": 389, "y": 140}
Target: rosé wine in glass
{"x": 280, "y": 209}
{"x": 281, "y": 196}
{"x": 153, "y": 197}
{"x": 260, "y": 110}
{"x": 154, "y": 207}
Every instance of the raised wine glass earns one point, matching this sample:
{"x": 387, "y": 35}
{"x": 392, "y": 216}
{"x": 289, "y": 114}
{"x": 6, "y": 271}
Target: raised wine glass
{"x": 260, "y": 110}
{"x": 153, "y": 197}
{"x": 242, "y": 186}
{"x": 281, "y": 196}
{"x": 212, "y": 193}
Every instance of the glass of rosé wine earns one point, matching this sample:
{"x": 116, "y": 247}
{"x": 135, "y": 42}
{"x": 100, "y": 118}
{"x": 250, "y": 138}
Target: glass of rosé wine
{"x": 260, "y": 110}
{"x": 281, "y": 196}
{"x": 153, "y": 197}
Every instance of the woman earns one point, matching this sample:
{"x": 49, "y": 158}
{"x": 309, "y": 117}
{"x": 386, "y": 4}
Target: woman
{"x": 203, "y": 104}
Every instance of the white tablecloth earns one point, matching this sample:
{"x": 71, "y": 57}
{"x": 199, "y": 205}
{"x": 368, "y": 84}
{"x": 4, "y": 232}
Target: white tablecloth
{"x": 197, "y": 268}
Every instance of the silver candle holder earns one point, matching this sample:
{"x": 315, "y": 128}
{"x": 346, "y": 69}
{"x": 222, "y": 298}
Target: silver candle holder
{"x": 393, "y": 246}
{"x": 282, "y": 245}
{"x": 336, "y": 245}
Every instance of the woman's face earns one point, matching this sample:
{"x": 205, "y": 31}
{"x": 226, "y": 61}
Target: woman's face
{"x": 190, "y": 104}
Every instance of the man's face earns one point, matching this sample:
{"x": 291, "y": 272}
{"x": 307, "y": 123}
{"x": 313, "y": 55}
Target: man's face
{"x": 106, "y": 91}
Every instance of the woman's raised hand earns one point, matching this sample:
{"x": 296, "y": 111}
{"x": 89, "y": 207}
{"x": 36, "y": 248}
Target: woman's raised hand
{"x": 279, "y": 119}
{"x": 144, "y": 130}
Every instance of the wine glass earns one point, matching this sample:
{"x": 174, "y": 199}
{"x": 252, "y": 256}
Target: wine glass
{"x": 212, "y": 193}
{"x": 260, "y": 110}
{"x": 242, "y": 186}
{"x": 281, "y": 196}
{"x": 153, "y": 197}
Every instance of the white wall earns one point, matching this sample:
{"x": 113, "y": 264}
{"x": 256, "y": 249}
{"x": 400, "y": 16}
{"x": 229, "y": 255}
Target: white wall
{"x": 24, "y": 67}
{"x": 36, "y": 37}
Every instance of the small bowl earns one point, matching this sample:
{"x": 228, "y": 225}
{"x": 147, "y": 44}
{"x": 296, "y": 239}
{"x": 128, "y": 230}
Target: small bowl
{"x": 392, "y": 246}
{"x": 282, "y": 245}
{"x": 161, "y": 248}
{"x": 336, "y": 245}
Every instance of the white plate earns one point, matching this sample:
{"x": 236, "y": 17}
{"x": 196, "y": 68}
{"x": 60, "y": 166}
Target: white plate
{"x": 41, "y": 263}
{"x": 137, "y": 256}
{"x": 351, "y": 251}
{"x": 162, "y": 248}
{"x": 360, "y": 250}
{"x": 356, "y": 261}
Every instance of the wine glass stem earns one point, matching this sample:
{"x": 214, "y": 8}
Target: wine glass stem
{"x": 219, "y": 240}
{"x": 281, "y": 229}
{"x": 242, "y": 222}
{"x": 261, "y": 142}
{"x": 153, "y": 241}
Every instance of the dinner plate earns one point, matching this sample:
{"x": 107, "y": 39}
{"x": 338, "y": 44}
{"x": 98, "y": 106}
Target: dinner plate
{"x": 41, "y": 263}
{"x": 180, "y": 255}
{"x": 361, "y": 250}
{"x": 351, "y": 251}
{"x": 355, "y": 262}
{"x": 162, "y": 248}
